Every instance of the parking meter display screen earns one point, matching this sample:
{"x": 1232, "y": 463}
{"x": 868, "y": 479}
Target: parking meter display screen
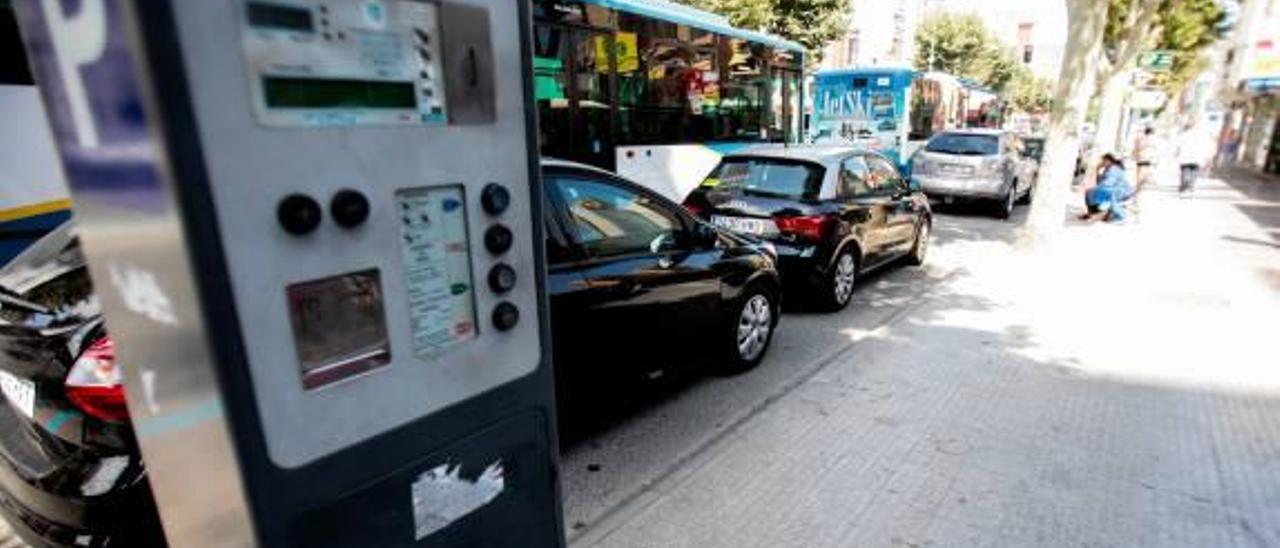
{"x": 339, "y": 327}
{"x": 436, "y": 254}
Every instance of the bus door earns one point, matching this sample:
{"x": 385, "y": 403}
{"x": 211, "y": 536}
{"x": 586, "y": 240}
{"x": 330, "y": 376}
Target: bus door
{"x": 594, "y": 104}
{"x": 574, "y": 70}
{"x": 786, "y": 105}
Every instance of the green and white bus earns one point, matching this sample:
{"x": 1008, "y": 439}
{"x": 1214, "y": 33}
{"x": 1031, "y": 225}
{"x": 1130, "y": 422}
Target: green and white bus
{"x": 657, "y": 91}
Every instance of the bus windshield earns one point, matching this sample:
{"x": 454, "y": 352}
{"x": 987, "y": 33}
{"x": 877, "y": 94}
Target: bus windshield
{"x": 964, "y": 144}
{"x": 769, "y": 177}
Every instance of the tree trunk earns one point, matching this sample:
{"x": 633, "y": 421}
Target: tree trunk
{"x": 1086, "y": 21}
{"x": 1111, "y": 112}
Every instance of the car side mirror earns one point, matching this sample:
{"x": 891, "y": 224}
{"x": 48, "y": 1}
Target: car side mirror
{"x": 663, "y": 242}
{"x": 704, "y": 236}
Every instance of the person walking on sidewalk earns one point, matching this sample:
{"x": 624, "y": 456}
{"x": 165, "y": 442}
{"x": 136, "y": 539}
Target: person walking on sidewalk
{"x": 1195, "y": 152}
{"x": 1144, "y": 156}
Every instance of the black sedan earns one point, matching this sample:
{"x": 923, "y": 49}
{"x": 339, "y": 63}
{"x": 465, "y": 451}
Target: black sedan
{"x": 640, "y": 288}
{"x": 831, "y": 212}
{"x": 71, "y": 473}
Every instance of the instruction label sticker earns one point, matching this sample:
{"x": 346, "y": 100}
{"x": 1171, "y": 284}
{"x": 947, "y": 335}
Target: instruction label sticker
{"x": 436, "y": 254}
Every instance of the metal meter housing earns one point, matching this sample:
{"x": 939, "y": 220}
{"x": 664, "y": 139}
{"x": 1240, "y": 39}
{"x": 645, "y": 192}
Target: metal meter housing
{"x": 339, "y": 224}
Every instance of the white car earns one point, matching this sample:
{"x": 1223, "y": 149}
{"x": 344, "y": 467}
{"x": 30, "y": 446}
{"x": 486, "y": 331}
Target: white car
{"x": 984, "y": 164}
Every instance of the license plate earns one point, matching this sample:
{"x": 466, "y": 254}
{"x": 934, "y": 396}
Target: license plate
{"x": 745, "y": 225}
{"x": 20, "y": 392}
{"x": 953, "y": 169}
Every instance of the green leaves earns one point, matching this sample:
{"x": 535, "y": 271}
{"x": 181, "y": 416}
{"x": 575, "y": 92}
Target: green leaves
{"x": 960, "y": 44}
{"x": 812, "y": 23}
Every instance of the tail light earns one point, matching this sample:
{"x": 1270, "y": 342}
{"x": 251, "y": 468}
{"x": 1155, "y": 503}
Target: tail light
{"x": 95, "y": 383}
{"x": 693, "y": 209}
{"x": 812, "y": 227}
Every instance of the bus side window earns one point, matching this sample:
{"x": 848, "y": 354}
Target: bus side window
{"x": 853, "y": 177}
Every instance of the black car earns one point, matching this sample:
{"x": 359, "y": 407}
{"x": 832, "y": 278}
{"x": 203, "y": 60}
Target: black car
{"x": 71, "y": 472}
{"x": 639, "y": 288}
{"x": 832, "y": 213}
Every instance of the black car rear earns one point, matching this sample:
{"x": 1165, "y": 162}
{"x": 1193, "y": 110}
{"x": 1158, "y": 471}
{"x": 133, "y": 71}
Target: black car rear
{"x": 71, "y": 472}
{"x": 831, "y": 213}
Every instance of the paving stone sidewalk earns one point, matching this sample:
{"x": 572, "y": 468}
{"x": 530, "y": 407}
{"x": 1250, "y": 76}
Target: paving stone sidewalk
{"x": 1124, "y": 391}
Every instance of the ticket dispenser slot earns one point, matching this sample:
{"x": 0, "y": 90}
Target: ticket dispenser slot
{"x": 346, "y": 214}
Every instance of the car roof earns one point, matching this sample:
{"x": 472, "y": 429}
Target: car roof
{"x": 975, "y": 131}
{"x": 547, "y": 162}
{"x": 812, "y": 153}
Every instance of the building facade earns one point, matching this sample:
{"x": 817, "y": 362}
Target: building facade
{"x": 1250, "y": 84}
{"x": 881, "y": 34}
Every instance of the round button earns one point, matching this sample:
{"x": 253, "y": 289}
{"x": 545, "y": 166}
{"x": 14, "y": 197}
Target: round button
{"x": 495, "y": 198}
{"x": 498, "y": 239}
{"x": 505, "y": 316}
{"x": 349, "y": 208}
{"x": 298, "y": 214}
{"x": 502, "y": 278}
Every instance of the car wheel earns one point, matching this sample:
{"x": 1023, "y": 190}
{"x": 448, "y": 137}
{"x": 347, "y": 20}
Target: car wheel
{"x": 1030, "y": 195}
{"x": 838, "y": 290}
{"x": 1004, "y": 207}
{"x": 921, "y": 247}
{"x": 750, "y": 330}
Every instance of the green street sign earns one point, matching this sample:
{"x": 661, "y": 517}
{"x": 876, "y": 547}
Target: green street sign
{"x": 1156, "y": 61}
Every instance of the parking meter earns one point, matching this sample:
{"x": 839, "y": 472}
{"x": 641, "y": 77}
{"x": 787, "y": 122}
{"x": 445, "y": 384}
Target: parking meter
{"x": 315, "y": 232}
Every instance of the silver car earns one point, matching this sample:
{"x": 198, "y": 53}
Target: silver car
{"x": 985, "y": 164}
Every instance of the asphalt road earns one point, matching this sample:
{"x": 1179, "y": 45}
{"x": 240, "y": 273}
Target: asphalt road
{"x": 647, "y": 443}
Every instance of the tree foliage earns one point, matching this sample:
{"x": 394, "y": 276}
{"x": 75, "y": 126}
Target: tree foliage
{"x": 1027, "y": 93}
{"x": 1187, "y": 27}
{"x": 812, "y": 23}
{"x": 961, "y": 44}
{"x": 1182, "y": 26}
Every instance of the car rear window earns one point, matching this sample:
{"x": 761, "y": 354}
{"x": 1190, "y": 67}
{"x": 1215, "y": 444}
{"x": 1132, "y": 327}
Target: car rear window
{"x": 768, "y": 177}
{"x": 964, "y": 144}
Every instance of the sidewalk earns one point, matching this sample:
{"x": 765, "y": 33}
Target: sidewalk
{"x": 1122, "y": 392}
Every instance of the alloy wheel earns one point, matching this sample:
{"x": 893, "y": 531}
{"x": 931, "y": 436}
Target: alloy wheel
{"x": 754, "y": 324}
{"x": 922, "y": 243}
{"x": 845, "y": 275}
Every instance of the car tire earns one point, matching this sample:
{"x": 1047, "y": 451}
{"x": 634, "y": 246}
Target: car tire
{"x": 920, "y": 250}
{"x": 749, "y": 329}
{"x": 1003, "y": 207}
{"x": 1030, "y": 195}
{"x": 837, "y": 290}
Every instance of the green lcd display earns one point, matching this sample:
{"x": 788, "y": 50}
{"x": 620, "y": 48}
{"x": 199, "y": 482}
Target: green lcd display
{"x": 320, "y": 93}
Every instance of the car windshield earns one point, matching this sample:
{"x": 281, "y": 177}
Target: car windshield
{"x": 964, "y": 144}
{"x": 1034, "y": 148}
{"x": 774, "y": 177}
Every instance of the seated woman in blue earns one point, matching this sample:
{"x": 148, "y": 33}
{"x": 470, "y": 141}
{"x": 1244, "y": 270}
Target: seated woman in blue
{"x": 1106, "y": 199}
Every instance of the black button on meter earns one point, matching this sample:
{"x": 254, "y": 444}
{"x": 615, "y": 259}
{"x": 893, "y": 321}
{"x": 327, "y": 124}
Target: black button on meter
{"x": 349, "y": 208}
{"x": 505, "y": 316}
{"x": 298, "y": 214}
{"x": 495, "y": 198}
{"x": 498, "y": 239}
{"x": 502, "y": 278}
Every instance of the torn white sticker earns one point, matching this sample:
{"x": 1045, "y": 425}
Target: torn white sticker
{"x": 441, "y": 496}
{"x": 141, "y": 293}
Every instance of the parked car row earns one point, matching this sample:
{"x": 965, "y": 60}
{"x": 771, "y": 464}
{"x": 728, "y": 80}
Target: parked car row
{"x": 640, "y": 287}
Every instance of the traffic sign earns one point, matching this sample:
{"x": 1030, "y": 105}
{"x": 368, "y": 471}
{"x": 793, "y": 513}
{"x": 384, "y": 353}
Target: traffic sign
{"x": 1148, "y": 99}
{"x": 1157, "y": 61}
